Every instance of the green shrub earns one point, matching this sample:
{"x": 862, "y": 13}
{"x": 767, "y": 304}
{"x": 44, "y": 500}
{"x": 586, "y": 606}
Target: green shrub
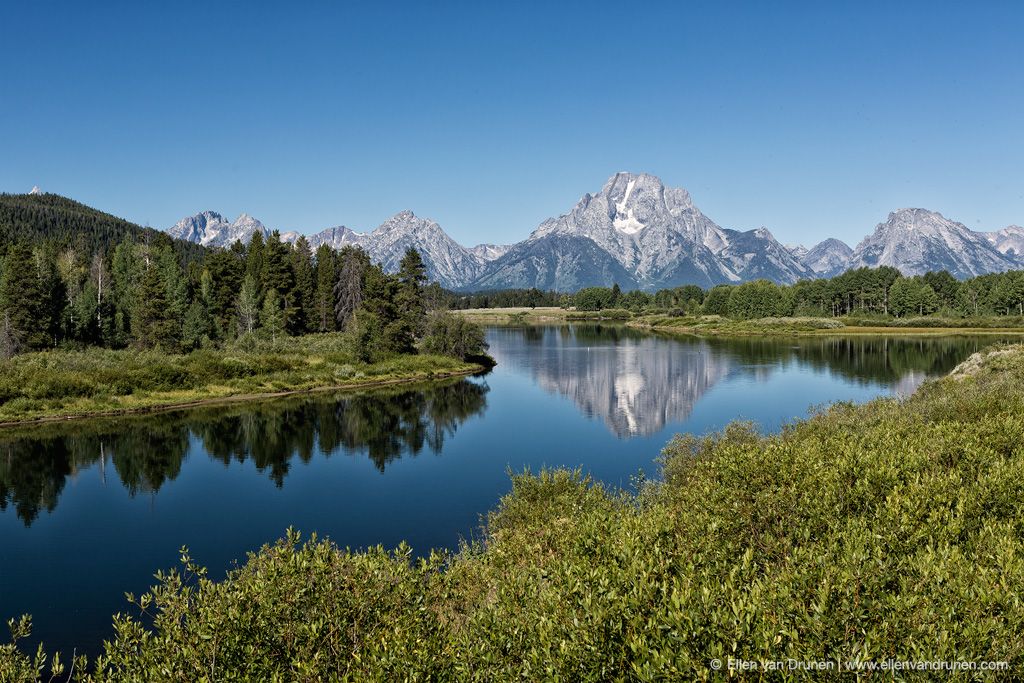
{"x": 453, "y": 335}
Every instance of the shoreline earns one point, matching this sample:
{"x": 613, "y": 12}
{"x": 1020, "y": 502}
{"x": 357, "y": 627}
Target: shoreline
{"x": 847, "y": 331}
{"x": 237, "y": 398}
{"x": 519, "y": 317}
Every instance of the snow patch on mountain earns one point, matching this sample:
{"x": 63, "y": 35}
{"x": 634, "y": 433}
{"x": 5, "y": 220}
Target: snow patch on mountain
{"x": 1009, "y": 241}
{"x": 489, "y": 252}
{"x": 639, "y": 233}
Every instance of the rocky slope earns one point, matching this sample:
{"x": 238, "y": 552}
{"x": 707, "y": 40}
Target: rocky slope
{"x": 1009, "y": 242}
{"x": 917, "y": 240}
{"x": 827, "y": 258}
{"x": 653, "y": 233}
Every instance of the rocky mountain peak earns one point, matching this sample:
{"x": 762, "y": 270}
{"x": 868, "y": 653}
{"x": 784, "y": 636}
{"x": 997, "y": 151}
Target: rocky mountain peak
{"x": 918, "y": 240}
{"x": 640, "y": 233}
{"x": 1009, "y": 241}
{"x": 827, "y": 258}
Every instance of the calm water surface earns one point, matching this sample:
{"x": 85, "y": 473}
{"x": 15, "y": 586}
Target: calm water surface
{"x": 89, "y": 510}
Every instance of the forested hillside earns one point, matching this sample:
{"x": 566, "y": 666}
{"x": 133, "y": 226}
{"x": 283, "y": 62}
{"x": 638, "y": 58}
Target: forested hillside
{"x": 35, "y": 218}
{"x": 73, "y": 277}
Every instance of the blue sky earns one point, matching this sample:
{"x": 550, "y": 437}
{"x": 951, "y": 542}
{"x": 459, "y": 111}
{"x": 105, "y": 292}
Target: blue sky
{"x": 813, "y": 119}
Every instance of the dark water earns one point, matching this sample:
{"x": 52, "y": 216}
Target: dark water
{"x": 91, "y": 509}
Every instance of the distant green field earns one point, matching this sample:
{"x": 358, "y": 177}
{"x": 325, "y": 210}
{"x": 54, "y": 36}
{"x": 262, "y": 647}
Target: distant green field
{"x": 713, "y": 324}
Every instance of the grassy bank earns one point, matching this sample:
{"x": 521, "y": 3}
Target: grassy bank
{"x": 890, "y": 530}
{"x": 542, "y": 315}
{"x": 718, "y": 325}
{"x": 56, "y": 384}
{"x": 552, "y": 315}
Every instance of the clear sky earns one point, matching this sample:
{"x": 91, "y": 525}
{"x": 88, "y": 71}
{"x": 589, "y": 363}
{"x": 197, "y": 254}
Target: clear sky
{"x": 813, "y": 119}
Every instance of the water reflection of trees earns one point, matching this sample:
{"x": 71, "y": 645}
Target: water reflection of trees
{"x": 146, "y": 453}
{"x": 883, "y": 360}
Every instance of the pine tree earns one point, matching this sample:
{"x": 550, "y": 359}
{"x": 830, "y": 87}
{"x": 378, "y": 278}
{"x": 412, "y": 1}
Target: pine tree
{"x": 277, "y": 273}
{"x": 353, "y": 265}
{"x": 153, "y": 324}
{"x": 175, "y": 283}
{"x": 22, "y": 299}
{"x": 197, "y": 329}
{"x": 226, "y": 272}
{"x": 254, "y": 260}
{"x": 54, "y": 300}
{"x": 325, "y": 279}
{"x": 303, "y": 318}
{"x": 412, "y": 275}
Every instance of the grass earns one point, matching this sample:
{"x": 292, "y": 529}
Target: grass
{"x": 719, "y": 325}
{"x": 798, "y": 326}
{"x": 61, "y": 384}
{"x": 515, "y": 316}
{"x": 866, "y": 533}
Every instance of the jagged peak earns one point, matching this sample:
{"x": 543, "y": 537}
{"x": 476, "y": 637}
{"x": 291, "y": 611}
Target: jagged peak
{"x": 913, "y": 214}
{"x": 833, "y": 244}
{"x": 35, "y": 190}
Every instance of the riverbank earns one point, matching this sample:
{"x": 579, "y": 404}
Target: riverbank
{"x": 809, "y": 326}
{"x": 542, "y": 315}
{"x": 550, "y": 315}
{"x": 900, "y": 516}
{"x": 62, "y": 385}
{"x": 719, "y": 325}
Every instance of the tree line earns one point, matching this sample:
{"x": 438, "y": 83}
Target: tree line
{"x": 144, "y": 292}
{"x": 880, "y": 291}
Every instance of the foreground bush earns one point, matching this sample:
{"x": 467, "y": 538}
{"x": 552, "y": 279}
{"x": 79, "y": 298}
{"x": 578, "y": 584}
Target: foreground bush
{"x": 890, "y": 530}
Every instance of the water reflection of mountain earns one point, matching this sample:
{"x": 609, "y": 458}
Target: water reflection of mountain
{"x": 637, "y": 383}
{"x": 146, "y": 453}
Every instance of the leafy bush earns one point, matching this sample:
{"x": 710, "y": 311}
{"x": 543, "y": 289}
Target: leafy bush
{"x": 605, "y": 314}
{"x": 453, "y": 335}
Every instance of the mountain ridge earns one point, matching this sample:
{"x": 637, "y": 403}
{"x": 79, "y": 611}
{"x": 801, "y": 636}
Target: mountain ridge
{"x": 642, "y": 234}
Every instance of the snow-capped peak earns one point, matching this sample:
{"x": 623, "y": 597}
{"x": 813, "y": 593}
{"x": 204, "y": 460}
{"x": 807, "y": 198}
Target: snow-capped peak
{"x": 624, "y": 220}
{"x": 35, "y": 190}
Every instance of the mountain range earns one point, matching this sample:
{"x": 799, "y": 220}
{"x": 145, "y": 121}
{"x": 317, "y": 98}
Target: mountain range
{"x": 643, "y": 235}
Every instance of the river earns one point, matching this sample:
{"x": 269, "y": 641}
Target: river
{"x": 91, "y": 509}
